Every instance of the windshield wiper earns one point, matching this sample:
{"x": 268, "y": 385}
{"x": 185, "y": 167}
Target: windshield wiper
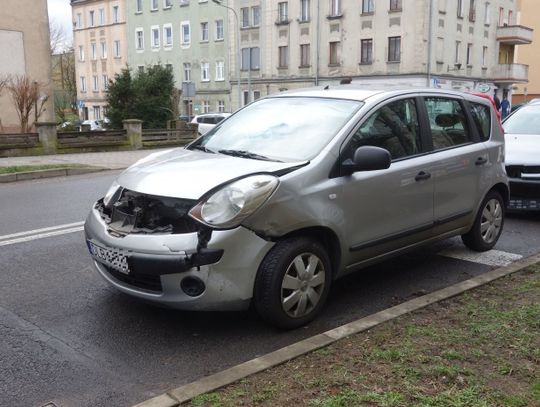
{"x": 202, "y": 148}
{"x": 246, "y": 154}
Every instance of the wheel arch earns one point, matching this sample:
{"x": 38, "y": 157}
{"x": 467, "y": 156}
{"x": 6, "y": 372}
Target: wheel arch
{"x": 503, "y": 190}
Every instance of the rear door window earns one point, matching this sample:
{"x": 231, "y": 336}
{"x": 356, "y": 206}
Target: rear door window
{"x": 482, "y": 119}
{"x": 448, "y": 122}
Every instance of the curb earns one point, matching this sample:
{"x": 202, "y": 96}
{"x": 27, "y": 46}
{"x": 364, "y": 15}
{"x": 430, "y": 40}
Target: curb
{"x": 60, "y": 172}
{"x": 182, "y": 394}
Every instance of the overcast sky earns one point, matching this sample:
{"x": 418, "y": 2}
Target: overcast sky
{"x": 60, "y": 13}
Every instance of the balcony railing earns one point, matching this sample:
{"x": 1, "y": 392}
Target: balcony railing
{"x": 511, "y": 73}
{"x": 514, "y": 34}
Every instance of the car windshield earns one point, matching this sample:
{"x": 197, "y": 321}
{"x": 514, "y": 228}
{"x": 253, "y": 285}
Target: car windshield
{"x": 526, "y": 120}
{"x": 281, "y": 129}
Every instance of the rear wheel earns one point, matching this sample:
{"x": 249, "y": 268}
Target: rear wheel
{"x": 292, "y": 282}
{"x": 488, "y": 224}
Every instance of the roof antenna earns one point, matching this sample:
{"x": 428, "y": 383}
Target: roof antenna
{"x": 326, "y": 87}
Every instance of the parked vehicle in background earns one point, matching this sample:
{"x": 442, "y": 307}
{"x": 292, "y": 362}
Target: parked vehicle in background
{"x": 522, "y": 136}
{"x": 93, "y": 124}
{"x": 208, "y": 121}
{"x": 298, "y": 189}
{"x": 70, "y": 125}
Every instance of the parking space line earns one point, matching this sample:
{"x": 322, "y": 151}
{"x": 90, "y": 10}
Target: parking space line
{"x": 490, "y": 258}
{"x": 35, "y": 234}
{"x": 42, "y": 230}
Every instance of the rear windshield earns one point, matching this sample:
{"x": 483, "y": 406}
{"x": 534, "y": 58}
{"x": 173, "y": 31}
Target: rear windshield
{"x": 525, "y": 120}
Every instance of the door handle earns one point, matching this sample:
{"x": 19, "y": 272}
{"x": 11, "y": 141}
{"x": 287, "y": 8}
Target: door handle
{"x": 422, "y": 176}
{"x": 481, "y": 161}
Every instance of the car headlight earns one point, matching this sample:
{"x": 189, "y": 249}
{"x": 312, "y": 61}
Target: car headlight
{"x": 230, "y": 205}
{"x": 113, "y": 192}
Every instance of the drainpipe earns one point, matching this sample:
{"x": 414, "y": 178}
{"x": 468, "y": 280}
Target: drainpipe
{"x": 318, "y": 40}
{"x": 430, "y": 42}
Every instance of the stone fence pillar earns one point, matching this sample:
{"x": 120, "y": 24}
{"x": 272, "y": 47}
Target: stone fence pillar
{"x": 133, "y": 129}
{"x": 47, "y": 137}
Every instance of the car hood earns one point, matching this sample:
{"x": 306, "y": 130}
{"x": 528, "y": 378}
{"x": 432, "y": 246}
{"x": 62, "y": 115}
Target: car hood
{"x": 522, "y": 149}
{"x": 189, "y": 174}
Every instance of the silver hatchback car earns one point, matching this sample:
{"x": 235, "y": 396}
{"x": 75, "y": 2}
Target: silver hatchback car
{"x": 296, "y": 190}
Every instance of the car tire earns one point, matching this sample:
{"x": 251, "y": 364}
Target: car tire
{"x": 488, "y": 224}
{"x": 292, "y": 282}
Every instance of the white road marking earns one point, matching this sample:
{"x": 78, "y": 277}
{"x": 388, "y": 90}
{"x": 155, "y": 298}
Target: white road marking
{"x": 35, "y": 234}
{"x": 490, "y": 258}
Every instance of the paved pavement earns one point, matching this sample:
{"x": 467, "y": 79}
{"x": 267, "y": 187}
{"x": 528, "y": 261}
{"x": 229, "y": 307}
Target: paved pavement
{"x": 111, "y": 159}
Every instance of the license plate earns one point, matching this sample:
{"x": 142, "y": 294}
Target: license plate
{"x": 114, "y": 258}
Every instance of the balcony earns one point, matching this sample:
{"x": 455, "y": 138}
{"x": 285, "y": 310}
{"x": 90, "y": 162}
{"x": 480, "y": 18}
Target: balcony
{"x": 514, "y": 35}
{"x": 510, "y": 73}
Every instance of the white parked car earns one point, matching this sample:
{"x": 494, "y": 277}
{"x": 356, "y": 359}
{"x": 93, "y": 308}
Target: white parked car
{"x": 208, "y": 121}
{"x": 94, "y": 124}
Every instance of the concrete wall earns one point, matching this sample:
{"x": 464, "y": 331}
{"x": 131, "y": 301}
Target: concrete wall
{"x": 25, "y": 50}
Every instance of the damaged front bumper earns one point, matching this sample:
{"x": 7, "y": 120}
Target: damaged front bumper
{"x": 193, "y": 271}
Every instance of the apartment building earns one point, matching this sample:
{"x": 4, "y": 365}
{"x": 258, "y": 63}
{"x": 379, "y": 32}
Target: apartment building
{"x": 457, "y": 44}
{"x": 192, "y": 38}
{"x": 100, "y": 46}
{"x": 528, "y": 15}
{"x": 25, "y": 50}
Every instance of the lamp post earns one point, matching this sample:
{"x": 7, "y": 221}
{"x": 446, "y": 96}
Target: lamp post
{"x": 239, "y": 55}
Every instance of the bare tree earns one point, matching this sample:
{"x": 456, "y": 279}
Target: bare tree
{"x": 3, "y": 84}
{"x": 26, "y": 97}
{"x": 58, "y": 37}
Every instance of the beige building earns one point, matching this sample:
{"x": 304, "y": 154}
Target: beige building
{"x": 457, "y": 44}
{"x": 100, "y": 45}
{"x": 529, "y": 15}
{"x": 25, "y": 50}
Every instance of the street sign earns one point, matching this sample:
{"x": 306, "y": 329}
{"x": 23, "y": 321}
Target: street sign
{"x": 483, "y": 87}
{"x": 81, "y": 104}
{"x": 188, "y": 89}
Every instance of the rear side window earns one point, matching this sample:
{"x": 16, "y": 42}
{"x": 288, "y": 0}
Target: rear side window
{"x": 448, "y": 123}
{"x": 482, "y": 119}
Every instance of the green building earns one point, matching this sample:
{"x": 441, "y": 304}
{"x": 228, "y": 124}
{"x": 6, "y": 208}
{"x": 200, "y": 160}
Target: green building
{"x": 191, "y": 37}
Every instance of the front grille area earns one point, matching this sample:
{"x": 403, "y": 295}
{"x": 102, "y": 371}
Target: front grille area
{"x": 523, "y": 190}
{"x": 516, "y": 171}
{"x": 134, "y": 212}
{"x": 144, "y": 281}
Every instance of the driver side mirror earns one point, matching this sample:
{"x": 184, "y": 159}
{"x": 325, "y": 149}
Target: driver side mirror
{"x": 367, "y": 158}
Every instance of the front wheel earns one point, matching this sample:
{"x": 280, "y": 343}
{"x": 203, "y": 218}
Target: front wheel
{"x": 292, "y": 282}
{"x": 488, "y": 224}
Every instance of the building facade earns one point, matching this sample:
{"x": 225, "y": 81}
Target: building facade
{"x": 464, "y": 45}
{"x": 528, "y": 15}
{"x": 100, "y": 46}
{"x": 192, "y": 38}
{"x": 25, "y": 51}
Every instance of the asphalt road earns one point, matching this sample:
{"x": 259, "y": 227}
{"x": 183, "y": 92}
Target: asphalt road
{"x": 68, "y": 338}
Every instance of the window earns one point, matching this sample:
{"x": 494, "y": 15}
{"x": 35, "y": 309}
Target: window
{"x": 484, "y": 56}
{"x": 81, "y": 53}
{"x": 187, "y": 72}
{"x": 395, "y": 5}
{"x": 97, "y": 112}
{"x": 138, "y": 6}
{"x": 167, "y": 35}
{"x": 394, "y": 49}
{"x": 250, "y": 58}
{"x": 487, "y": 13}
{"x": 472, "y": 11}
{"x": 304, "y": 10}
{"x": 245, "y": 16}
{"x": 219, "y": 30}
{"x": 140, "y": 69}
{"x": 469, "y": 54}
{"x": 205, "y": 106}
{"x": 79, "y": 20}
{"x": 153, "y": 5}
{"x": 115, "y": 14}
{"x": 283, "y": 12}
{"x": 205, "y": 71}
{"x": 510, "y": 17}
{"x": 442, "y": 6}
{"x": 439, "y": 50}
{"x": 117, "y": 49}
{"x": 221, "y": 106}
{"x": 482, "y": 119}
{"x": 169, "y": 67}
{"x": 256, "y": 94}
{"x": 155, "y": 37}
{"x": 367, "y": 7}
{"x": 457, "y": 55}
{"x": 335, "y": 8}
{"x": 92, "y": 18}
{"x": 186, "y": 34}
{"x": 460, "y": 8}
{"x": 103, "y": 50}
{"x": 220, "y": 71}
{"x": 334, "y": 53}
{"x": 394, "y": 127}
{"x": 283, "y": 57}
{"x": 83, "y": 84}
{"x": 255, "y": 16}
{"x": 139, "y": 39}
{"x": 245, "y": 97}
{"x": 95, "y": 83}
{"x": 94, "y": 51}
{"x": 167, "y": 3}
{"x": 501, "y": 17}
{"x": 204, "y": 32}
{"x": 366, "y": 51}
{"x": 101, "y": 16}
{"x": 447, "y": 121}
{"x": 105, "y": 80}
{"x": 304, "y": 55}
